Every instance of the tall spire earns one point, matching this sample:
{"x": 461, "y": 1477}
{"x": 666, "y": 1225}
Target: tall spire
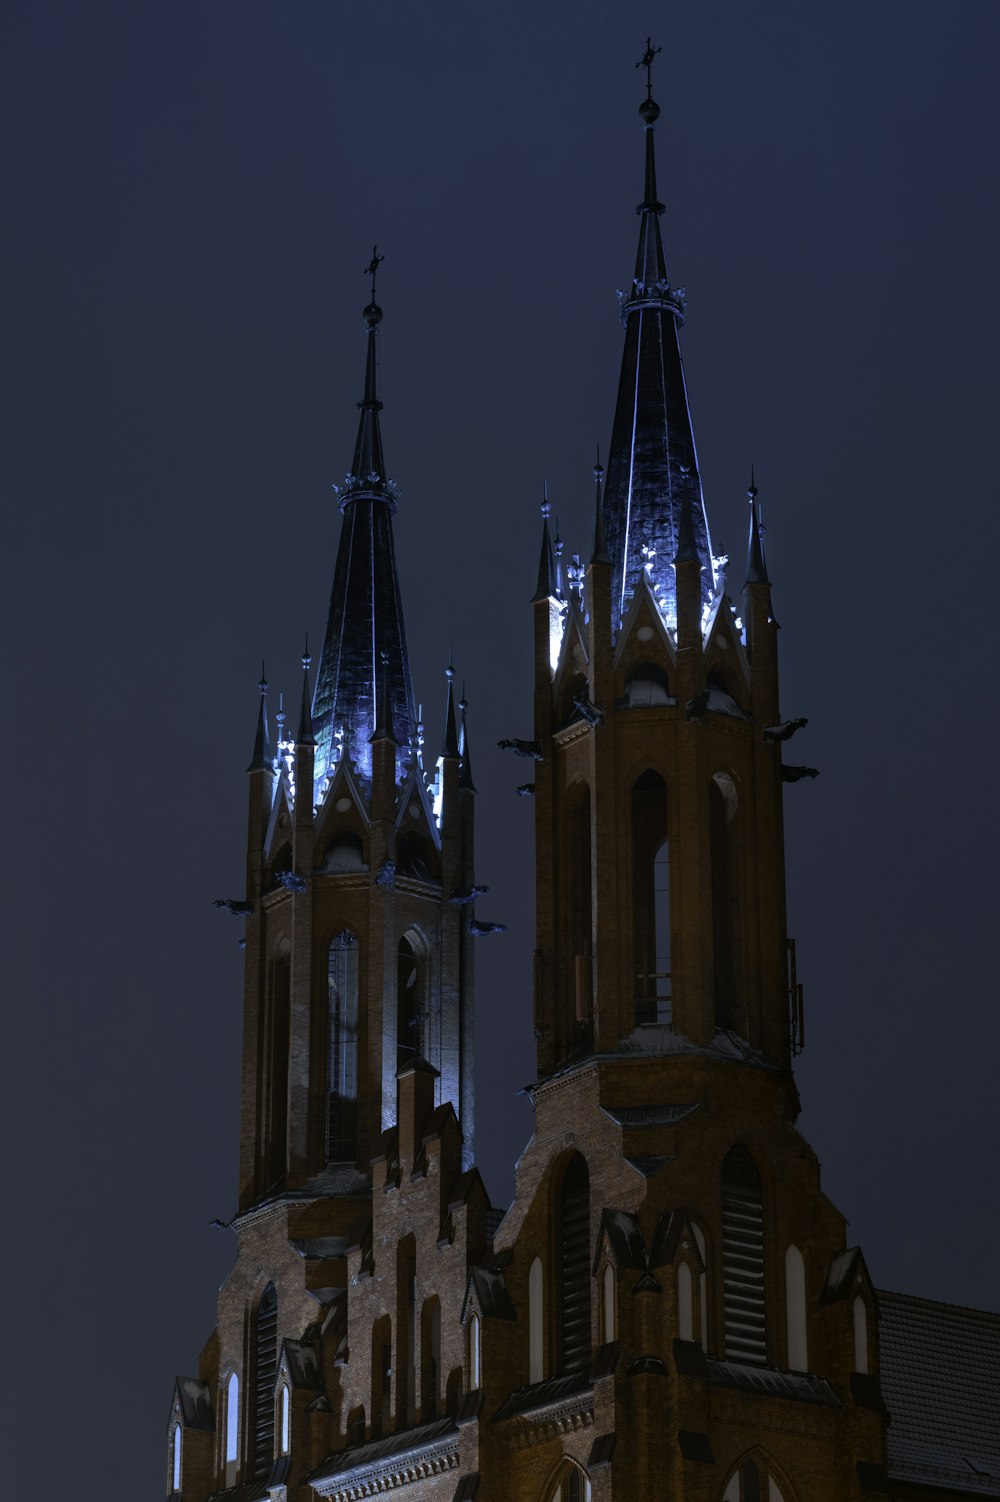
{"x": 545, "y": 588}
{"x": 450, "y": 746}
{"x": 262, "y": 760}
{"x": 652, "y": 464}
{"x": 305, "y": 736}
{"x": 365, "y": 623}
{"x": 465, "y": 774}
{"x": 756, "y": 566}
{"x": 600, "y": 552}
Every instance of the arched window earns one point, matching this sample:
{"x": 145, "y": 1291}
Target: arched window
{"x": 574, "y": 1253}
{"x": 795, "y": 1310}
{"x": 647, "y": 686}
{"x": 743, "y": 1258}
{"x": 284, "y": 1420}
{"x": 572, "y": 1485}
{"x": 473, "y": 1352}
{"x": 685, "y": 1302}
{"x": 408, "y": 1004}
{"x": 176, "y": 1457}
{"x": 381, "y": 1377}
{"x": 609, "y": 1310}
{"x": 265, "y": 1371}
{"x": 342, "y": 1045}
{"x": 232, "y": 1418}
{"x": 430, "y": 1358}
{"x": 414, "y": 857}
{"x": 346, "y": 853}
{"x": 651, "y": 899}
{"x": 861, "y": 1363}
{"x": 278, "y": 1030}
{"x": 699, "y": 1237}
{"x": 723, "y": 808}
{"x": 581, "y": 905}
{"x": 752, "y": 1483}
{"x": 536, "y": 1322}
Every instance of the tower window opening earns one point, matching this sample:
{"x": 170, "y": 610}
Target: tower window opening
{"x": 278, "y": 1029}
{"x": 381, "y": 1377}
{"x": 743, "y": 1259}
{"x": 346, "y": 853}
{"x": 609, "y": 1321}
{"x": 647, "y": 687}
{"x": 651, "y": 901}
{"x": 581, "y": 908}
{"x": 795, "y": 1310}
{"x": 723, "y": 829}
{"x": 574, "y": 1248}
{"x": 430, "y": 1358}
{"x": 860, "y": 1311}
{"x": 342, "y": 1048}
{"x": 409, "y": 1042}
{"x": 265, "y": 1371}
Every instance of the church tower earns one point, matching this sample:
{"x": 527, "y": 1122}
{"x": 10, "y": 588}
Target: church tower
{"x": 668, "y": 1311}
{"x": 358, "y": 955}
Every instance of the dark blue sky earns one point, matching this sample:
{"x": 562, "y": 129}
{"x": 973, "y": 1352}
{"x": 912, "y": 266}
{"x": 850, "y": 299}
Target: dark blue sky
{"x": 193, "y": 191}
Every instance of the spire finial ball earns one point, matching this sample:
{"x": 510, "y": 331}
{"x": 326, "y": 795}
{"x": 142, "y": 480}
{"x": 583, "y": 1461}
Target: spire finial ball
{"x": 650, "y": 111}
{"x": 372, "y": 315}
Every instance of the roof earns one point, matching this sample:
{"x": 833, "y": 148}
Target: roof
{"x": 541, "y": 1394}
{"x": 770, "y": 1381}
{"x": 940, "y": 1370}
{"x": 411, "y": 1440}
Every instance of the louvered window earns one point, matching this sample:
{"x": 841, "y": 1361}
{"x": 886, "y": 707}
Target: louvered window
{"x": 342, "y": 1063}
{"x": 574, "y": 1236}
{"x": 743, "y": 1258}
{"x": 265, "y": 1371}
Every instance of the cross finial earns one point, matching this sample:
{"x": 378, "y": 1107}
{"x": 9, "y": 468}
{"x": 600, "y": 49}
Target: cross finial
{"x": 373, "y": 266}
{"x": 646, "y": 61}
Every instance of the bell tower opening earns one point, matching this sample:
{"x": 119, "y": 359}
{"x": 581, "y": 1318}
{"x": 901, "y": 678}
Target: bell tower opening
{"x": 651, "y": 901}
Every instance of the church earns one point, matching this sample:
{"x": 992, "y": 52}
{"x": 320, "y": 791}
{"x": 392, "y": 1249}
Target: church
{"x": 669, "y": 1308}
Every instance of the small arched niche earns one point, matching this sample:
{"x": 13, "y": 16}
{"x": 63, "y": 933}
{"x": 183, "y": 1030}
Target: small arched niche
{"x": 346, "y": 852}
{"x": 647, "y": 687}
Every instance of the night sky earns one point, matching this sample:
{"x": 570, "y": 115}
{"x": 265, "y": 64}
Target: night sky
{"x": 194, "y": 191}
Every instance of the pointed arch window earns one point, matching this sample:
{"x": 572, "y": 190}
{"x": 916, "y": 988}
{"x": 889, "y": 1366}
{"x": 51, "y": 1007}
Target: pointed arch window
{"x": 430, "y": 1358}
{"x": 176, "y": 1457}
{"x": 795, "y": 1310}
{"x": 284, "y": 1420}
{"x": 860, "y": 1312}
{"x": 752, "y": 1483}
{"x": 581, "y": 905}
{"x": 265, "y": 1371}
{"x": 536, "y": 1321}
{"x": 743, "y": 1258}
{"x": 574, "y": 1252}
{"x": 651, "y": 900}
{"x": 474, "y": 1352}
{"x": 277, "y": 1056}
{"x": 685, "y": 1302}
{"x": 723, "y": 829}
{"x": 699, "y": 1237}
{"x": 609, "y": 1310}
{"x": 409, "y": 1040}
{"x": 232, "y": 1419}
{"x": 342, "y": 1047}
{"x": 381, "y": 1377}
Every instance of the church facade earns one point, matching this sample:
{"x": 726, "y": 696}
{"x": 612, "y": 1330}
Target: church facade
{"x": 669, "y": 1308}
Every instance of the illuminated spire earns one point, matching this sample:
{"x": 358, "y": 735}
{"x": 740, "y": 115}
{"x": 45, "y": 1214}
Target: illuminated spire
{"x": 364, "y": 650}
{"x": 545, "y": 589}
{"x": 450, "y": 747}
{"x": 465, "y": 775}
{"x": 383, "y": 718}
{"x": 652, "y": 474}
{"x": 756, "y": 566}
{"x": 262, "y": 759}
{"x": 600, "y": 552}
{"x": 305, "y": 735}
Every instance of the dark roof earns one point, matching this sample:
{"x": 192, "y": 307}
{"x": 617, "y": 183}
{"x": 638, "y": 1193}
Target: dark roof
{"x": 769, "y": 1380}
{"x": 541, "y": 1394}
{"x": 413, "y": 1440}
{"x": 195, "y": 1399}
{"x": 303, "y": 1365}
{"x": 624, "y": 1237}
{"x": 491, "y": 1293}
{"x": 494, "y": 1220}
{"x": 940, "y": 1369}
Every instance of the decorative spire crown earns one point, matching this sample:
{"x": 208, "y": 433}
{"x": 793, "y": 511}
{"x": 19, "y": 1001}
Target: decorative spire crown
{"x": 262, "y": 759}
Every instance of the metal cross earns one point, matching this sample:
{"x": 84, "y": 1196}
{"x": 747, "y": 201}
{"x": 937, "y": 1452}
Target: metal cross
{"x": 373, "y": 266}
{"x": 646, "y": 61}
